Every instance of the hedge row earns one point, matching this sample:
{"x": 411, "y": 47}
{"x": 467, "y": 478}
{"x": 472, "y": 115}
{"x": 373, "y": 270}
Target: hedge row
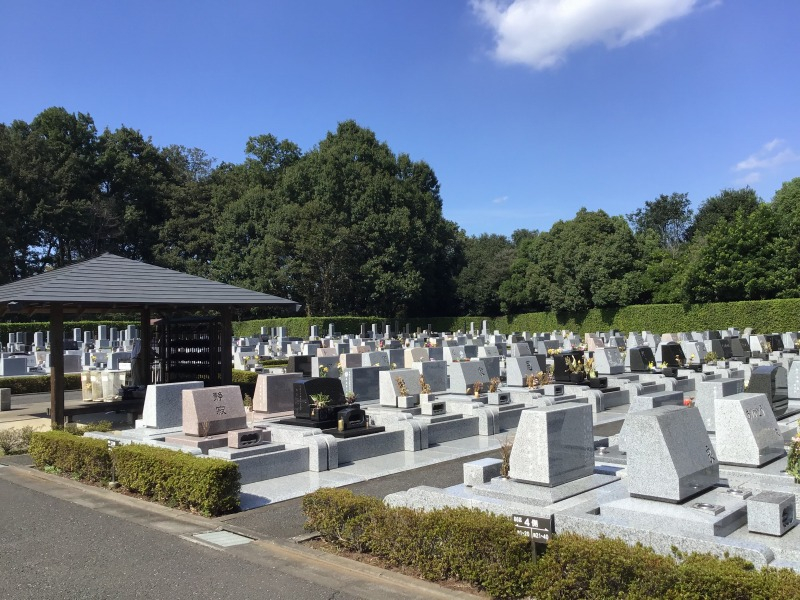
{"x": 484, "y": 549}
{"x": 208, "y": 485}
{"x": 36, "y": 384}
{"x": 84, "y": 458}
{"x": 34, "y": 326}
{"x": 761, "y": 315}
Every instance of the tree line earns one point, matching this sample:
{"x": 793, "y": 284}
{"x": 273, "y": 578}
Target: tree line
{"x": 351, "y": 228}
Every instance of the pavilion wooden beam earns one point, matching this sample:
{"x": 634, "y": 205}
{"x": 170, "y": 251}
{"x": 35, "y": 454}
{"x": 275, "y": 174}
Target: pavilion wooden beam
{"x": 146, "y": 353}
{"x": 57, "y": 365}
{"x": 226, "y": 354}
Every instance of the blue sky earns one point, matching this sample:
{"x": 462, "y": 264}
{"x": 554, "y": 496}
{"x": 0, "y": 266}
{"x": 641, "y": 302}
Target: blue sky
{"x": 526, "y": 109}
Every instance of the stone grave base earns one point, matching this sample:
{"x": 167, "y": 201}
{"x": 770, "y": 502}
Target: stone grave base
{"x": 205, "y": 444}
{"x": 351, "y": 433}
{"x": 234, "y": 453}
{"x": 683, "y": 518}
{"x": 539, "y": 495}
{"x": 331, "y": 424}
{"x": 765, "y": 477}
{"x": 610, "y": 454}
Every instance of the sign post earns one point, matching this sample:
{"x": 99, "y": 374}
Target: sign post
{"x": 538, "y": 529}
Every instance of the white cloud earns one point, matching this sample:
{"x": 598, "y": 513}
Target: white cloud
{"x": 749, "y": 179}
{"x": 773, "y": 154}
{"x": 540, "y": 33}
{"x": 500, "y": 200}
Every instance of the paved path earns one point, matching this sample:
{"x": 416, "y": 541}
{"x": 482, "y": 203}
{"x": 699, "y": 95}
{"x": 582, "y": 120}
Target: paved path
{"x": 62, "y": 539}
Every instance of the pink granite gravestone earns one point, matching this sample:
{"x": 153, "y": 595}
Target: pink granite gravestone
{"x": 213, "y": 410}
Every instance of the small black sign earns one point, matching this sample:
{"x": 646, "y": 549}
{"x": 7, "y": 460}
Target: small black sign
{"x": 538, "y": 529}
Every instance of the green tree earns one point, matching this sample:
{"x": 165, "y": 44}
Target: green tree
{"x": 488, "y": 261}
{"x": 579, "y": 264}
{"x": 723, "y": 207}
{"x": 668, "y": 216}
{"x": 745, "y": 259}
{"x": 786, "y": 204}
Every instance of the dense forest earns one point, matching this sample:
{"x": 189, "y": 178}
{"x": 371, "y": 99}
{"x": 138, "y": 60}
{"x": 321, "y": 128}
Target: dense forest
{"x": 351, "y": 228}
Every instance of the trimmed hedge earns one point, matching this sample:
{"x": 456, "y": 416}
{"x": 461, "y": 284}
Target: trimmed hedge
{"x": 34, "y": 326}
{"x": 84, "y": 458}
{"x": 484, "y": 549}
{"x": 762, "y": 315}
{"x": 208, "y": 485}
{"x": 37, "y": 384}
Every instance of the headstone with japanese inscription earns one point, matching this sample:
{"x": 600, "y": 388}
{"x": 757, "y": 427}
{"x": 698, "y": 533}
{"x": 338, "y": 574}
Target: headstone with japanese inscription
{"x": 519, "y": 368}
{"x": 670, "y": 456}
{"x": 747, "y": 431}
{"x": 213, "y": 410}
{"x": 464, "y": 375}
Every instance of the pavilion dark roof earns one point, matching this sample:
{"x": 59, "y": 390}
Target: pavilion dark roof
{"x": 111, "y": 282}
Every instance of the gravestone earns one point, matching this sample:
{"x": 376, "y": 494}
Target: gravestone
{"x": 375, "y": 359}
{"x": 707, "y": 392}
{"x": 435, "y": 374}
{"x": 213, "y": 410}
{"x": 553, "y": 445}
{"x": 520, "y": 349}
{"x": 306, "y": 387}
{"x": 362, "y": 381}
{"x": 328, "y": 362}
{"x": 649, "y": 400}
{"x": 163, "y": 404}
{"x": 463, "y": 376}
{"x": 772, "y": 381}
{"x": 560, "y": 371}
{"x": 793, "y": 380}
{"x": 670, "y": 456}
{"x": 300, "y": 364}
{"x": 670, "y": 353}
{"x": 747, "y": 432}
{"x": 414, "y": 355}
{"x": 640, "y": 358}
{"x": 390, "y": 387}
{"x": 608, "y": 361}
{"x": 454, "y": 353}
{"x": 518, "y": 369}
{"x": 740, "y": 348}
{"x": 275, "y": 392}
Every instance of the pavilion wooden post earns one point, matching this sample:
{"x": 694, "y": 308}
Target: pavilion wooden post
{"x": 57, "y": 365}
{"x": 226, "y": 355}
{"x": 146, "y": 351}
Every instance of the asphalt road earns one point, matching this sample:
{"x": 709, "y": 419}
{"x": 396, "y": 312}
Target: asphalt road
{"x": 61, "y": 539}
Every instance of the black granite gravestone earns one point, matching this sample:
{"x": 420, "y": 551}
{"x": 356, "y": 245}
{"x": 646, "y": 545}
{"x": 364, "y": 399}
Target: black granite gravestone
{"x": 560, "y": 371}
{"x": 771, "y": 380}
{"x": 306, "y": 387}
{"x": 740, "y": 349}
{"x": 641, "y": 358}
{"x": 672, "y": 354}
{"x": 300, "y": 364}
{"x": 775, "y": 341}
{"x": 727, "y": 352}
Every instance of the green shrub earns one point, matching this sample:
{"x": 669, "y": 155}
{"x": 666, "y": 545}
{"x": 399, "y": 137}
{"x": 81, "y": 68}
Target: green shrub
{"x": 80, "y": 429}
{"x": 484, "y": 549}
{"x": 458, "y": 543}
{"x": 238, "y": 376}
{"x": 15, "y": 440}
{"x": 85, "y": 458}
{"x": 38, "y": 384}
{"x": 208, "y": 485}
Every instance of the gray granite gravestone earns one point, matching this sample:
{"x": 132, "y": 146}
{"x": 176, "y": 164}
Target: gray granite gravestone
{"x": 670, "y": 456}
{"x": 274, "y": 392}
{"x": 608, "y": 361}
{"x": 163, "y": 404}
{"x": 771, "y": 380}
{"x": 463, "y": 376}
{"x": 553, "y": 445}
{"x": 519, "y": 368}
{"x": 747, "y": 432}
{"x": 435, "y": 374}
{"x": 389, "y": 383}
{"x": 706, "y": 392}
